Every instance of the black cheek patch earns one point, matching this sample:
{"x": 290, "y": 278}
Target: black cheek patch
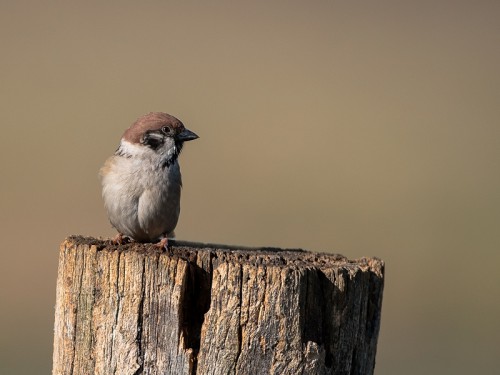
{"x": 151, "y": 140}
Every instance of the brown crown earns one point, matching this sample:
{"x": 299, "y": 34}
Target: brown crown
{"x": 151, "y": 121}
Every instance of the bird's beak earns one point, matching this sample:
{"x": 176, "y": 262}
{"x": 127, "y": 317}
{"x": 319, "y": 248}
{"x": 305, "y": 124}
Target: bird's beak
{"x": 186, "y": 135}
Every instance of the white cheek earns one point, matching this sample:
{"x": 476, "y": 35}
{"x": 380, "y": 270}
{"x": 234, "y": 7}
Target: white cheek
{"x": 130, "y": 148}
{"x": 134, "y": 149}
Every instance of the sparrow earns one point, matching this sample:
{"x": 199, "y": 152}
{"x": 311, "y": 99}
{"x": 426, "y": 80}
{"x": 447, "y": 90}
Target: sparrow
{"x": 141, "y": 182}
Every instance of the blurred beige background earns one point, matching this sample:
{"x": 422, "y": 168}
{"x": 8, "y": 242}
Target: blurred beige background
{"x": 364, "y": 128}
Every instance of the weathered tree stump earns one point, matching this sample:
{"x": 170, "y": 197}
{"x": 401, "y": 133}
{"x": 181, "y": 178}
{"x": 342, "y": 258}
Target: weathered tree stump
{"x": 211, "y": 309}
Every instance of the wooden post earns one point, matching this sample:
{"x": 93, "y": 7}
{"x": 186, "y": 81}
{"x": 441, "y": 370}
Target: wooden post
{"x": 211, "y": 309}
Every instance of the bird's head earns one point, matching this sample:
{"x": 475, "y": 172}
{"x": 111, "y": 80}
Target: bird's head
{"x": 160, "y": 132}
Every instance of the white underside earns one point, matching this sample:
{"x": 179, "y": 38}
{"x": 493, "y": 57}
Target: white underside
{"x": 141, "y": 197}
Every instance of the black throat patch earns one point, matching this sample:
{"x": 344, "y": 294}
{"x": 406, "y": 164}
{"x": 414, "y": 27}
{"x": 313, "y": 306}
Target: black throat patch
{"x": 173, "y": 157}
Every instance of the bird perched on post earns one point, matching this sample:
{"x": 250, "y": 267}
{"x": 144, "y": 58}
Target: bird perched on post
{"x": 141, "y": 182}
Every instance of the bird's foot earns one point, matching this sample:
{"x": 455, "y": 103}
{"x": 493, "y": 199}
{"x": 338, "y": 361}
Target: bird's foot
{"x": 120, "y": 239}
{"x": 163, "y": 244}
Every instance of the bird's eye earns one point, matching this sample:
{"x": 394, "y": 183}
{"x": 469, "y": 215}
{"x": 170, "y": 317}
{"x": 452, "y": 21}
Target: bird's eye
{"x": 166, "y": 130}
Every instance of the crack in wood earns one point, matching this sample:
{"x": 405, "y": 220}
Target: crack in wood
{"x": 194, "y": 302}
{"x": 140, "y": 317}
